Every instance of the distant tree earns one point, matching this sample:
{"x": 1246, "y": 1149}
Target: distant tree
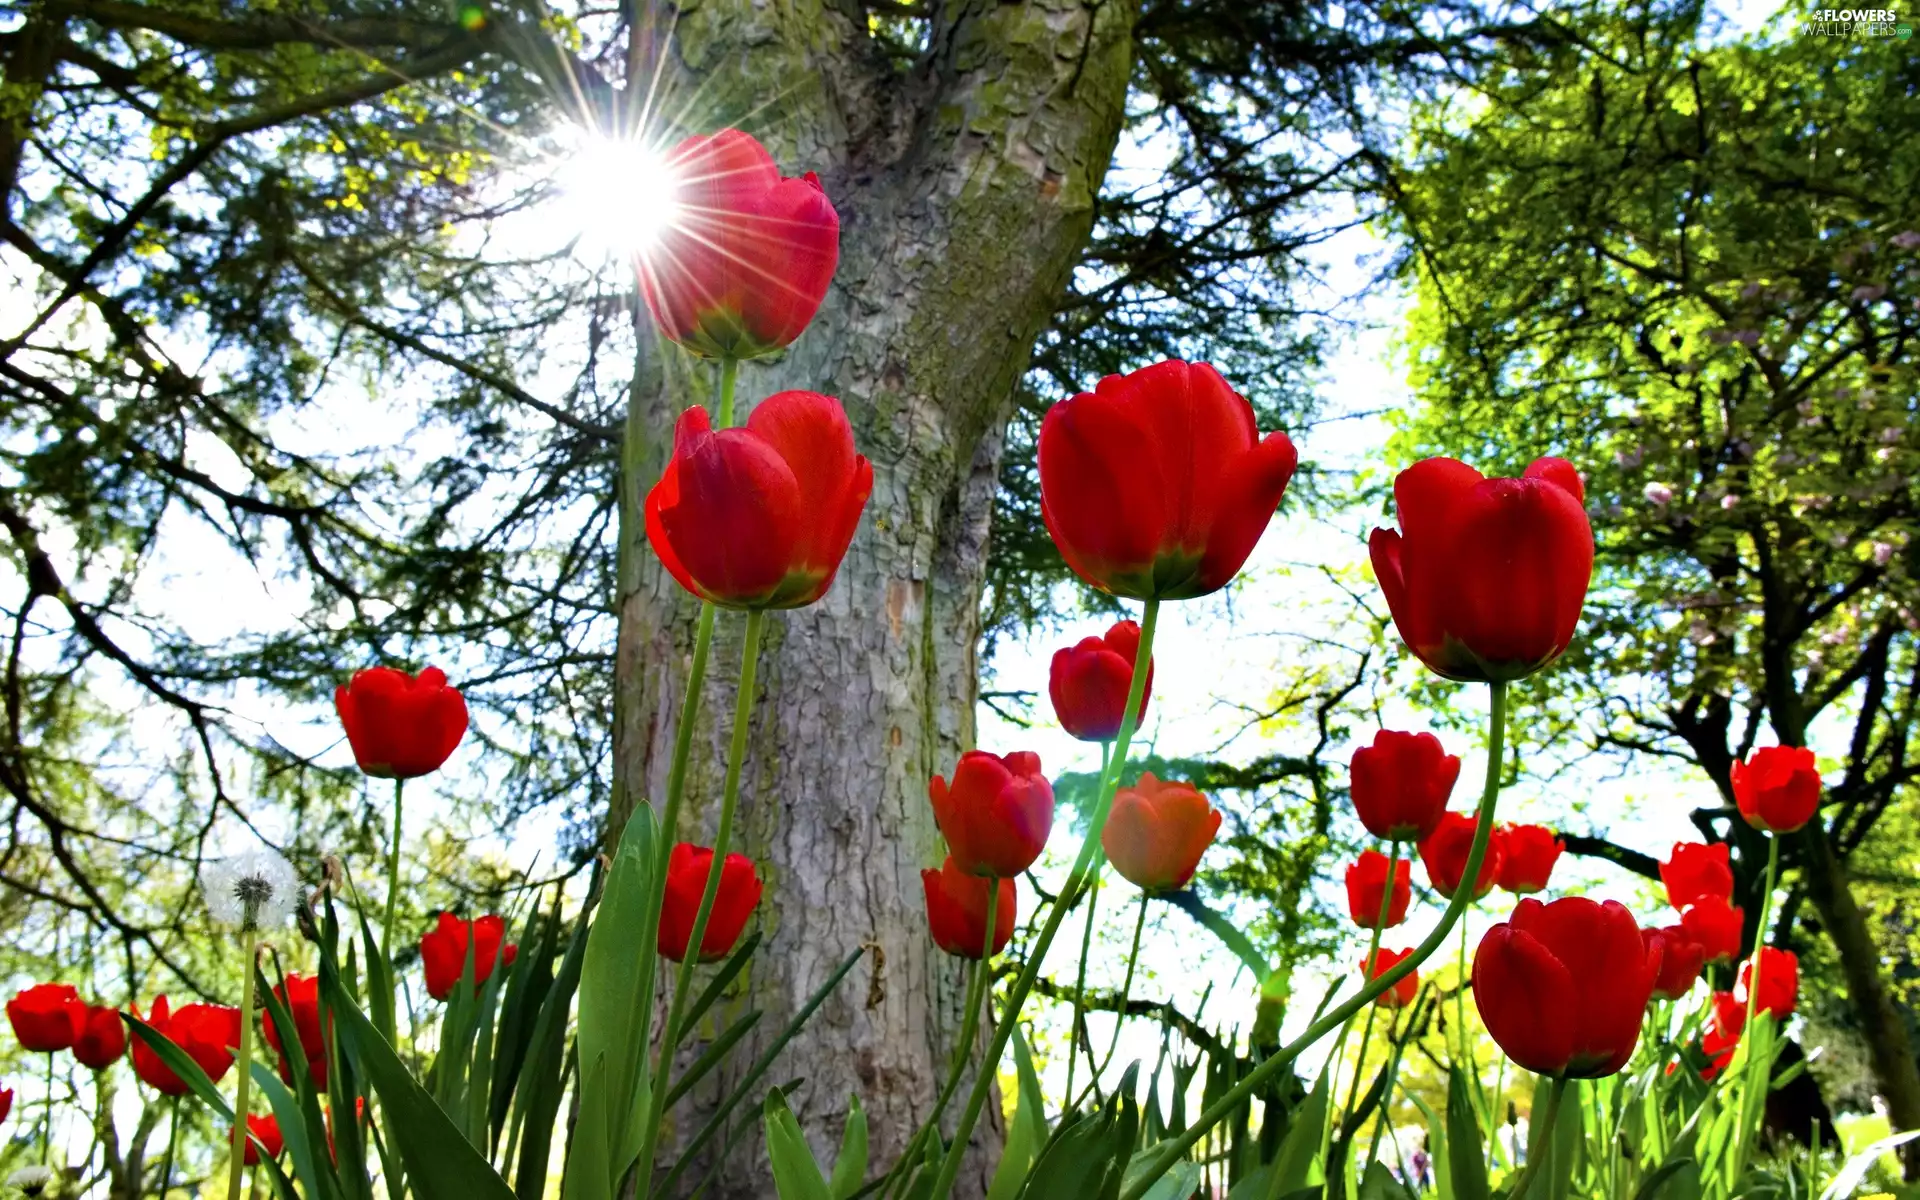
{"x": 1693, "y": 266}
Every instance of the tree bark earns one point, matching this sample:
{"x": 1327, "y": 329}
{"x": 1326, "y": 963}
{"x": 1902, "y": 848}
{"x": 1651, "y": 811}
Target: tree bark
{"x": 966, "y": 190}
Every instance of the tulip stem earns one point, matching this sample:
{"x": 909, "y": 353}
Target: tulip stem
{"x": 1076, "y": 880}
{"x": 393, "y": 873}
{"x": 1540, "y": 1137}
{"x": 729, "y": 801}
{"x": 1742, "y": 1142}
{"x": 978, "y": 993}
{"x": 1366, "y": 969}
{"x": 250, "y": 938}
{"x": 1080, "y": 980}
{"x": 1120, "y": 1013}
{"x": 173, "y": 1139}
{"x": 1460, "y": 993}
{"x": 46, "y": 1118}
{"x": 1170, "y": 1150}
{"x": 729, "y": 373}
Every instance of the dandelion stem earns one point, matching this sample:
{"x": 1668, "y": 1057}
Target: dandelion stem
{"x": 250, "y": 937}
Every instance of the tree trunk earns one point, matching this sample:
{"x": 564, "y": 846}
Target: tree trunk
{"x": 1882, "y": 1026}
{"x": 966, "y": 190}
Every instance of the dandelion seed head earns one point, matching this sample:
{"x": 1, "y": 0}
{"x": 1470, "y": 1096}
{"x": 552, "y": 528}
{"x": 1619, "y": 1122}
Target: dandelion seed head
{"x": 31, "y": 1180}
{"x": 255, "y": 890}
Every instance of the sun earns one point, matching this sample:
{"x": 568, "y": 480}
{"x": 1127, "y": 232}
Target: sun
{"x": 617, "y": 194}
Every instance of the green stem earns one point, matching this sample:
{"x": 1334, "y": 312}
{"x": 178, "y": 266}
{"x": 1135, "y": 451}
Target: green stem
{"x": 1540, "y": 1136}
{"x": 977, "y": 1098}
{"x": 393, "y": 872}
{"x": 729, "y": 373}
{"x": 1366, "y": 1035}
{"x": 1120, "y": 1013}
{"x": 244, "y": 1058}
{"x": 729, "y": 801}
{"x": 977, "y": 993}
{"x": 1080, "y": 981}
{"x": 1169, "y": 1151}
{"x": 1742, "y": 1139}
{"x": 1499, "y": 1088}
{"x": 46, "y": 1118}
{"x": 1460, "y": 993}
{"x": 173, "y": 1139}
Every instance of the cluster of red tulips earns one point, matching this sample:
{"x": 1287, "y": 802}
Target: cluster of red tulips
{"x": 1155, "y": 486}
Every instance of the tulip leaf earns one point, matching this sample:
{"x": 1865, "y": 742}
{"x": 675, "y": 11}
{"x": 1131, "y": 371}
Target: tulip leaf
{"x": 1294, "y": 1166}
{"x": 1652, "y": 1186}
{"x": 736, "y": 962}
{"x": 1189, "y": 902}
{"x": 1466, "y": 1163}
{"x": 439, "y": 1160}
{"x": 1028, "y": 1131}
{"x": 850, "y": 1165}
{"x": 1177, "y": 1184}
{"x": 1380, "y": 1183}
{"x": 711, "y": 1057}
{"x": 181, "y": 1063}
{"x": 536, "y": 1098}
{"x": 616, "y": 1000}
{"x": 296, "y": 1136}
{"x": 718, "y": 1120}
{"x": 795, "y": 1174}
{"x": 1088, "y": 1154}
{"x": 531, "y": 976}
{"x": 1568, "y": 1144}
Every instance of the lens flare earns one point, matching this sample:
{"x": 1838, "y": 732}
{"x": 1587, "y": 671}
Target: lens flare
{"x": 618, "y": 194}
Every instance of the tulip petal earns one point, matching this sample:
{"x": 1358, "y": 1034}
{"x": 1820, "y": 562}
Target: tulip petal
{"x": 1525, "y": 997}
{"x": 1102, "y": 491}
{"x": 1250, "y": 492}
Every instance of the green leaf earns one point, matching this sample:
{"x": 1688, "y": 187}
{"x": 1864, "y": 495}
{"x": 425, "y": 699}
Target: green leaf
{"x": 711, "y": 1057}
{"x": 1088, "y": 1153}
{"x": 1652, "y": 1185}
{"x": 1380, "y": 1183}
{"x": 616, "y": 999}
{"x": 536, "y": 1099}
{"x": 297, "y": 1133}
{"x": 439, "y": 1160}
{"x": 850, "y": 1166}
{"x": 1437, "y": 1137}
{"x": 795, "y": 1173}
{"x": 1568, "y": 1143}
{"x": 1466, "y": 1155}
{"x": 1296, "y": 1166}
{"x": 181, "y": 1063}
{"x": 736, "y": 962}
{"x": 1177, "y": 1184}
{"x": 589, "y": 1175}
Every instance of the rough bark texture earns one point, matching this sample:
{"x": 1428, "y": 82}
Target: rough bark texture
{"x": 966, "y": 189}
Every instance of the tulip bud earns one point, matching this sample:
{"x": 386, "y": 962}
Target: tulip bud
{"x": 1562, "y": 987}
{"x": 1777, "y": 789}
{"x": 47, "y": 1017}
{"x": 1445, "y": 854}
{"x": 1486, "y": 577}
{"x": 1157, "y": 484}
{"x": 1367, "y": 887}
{"x": 1779, "y": 989}
{"x": 1696, "y": 871}
{"x": 1715, "y": 926}
{"x": 996, "y": 814}
{"x": 1088, "y": 683}
{"x": 957, "y": 910}
{"x": 1157, "y": 831}
{"x": 1403, "y": 991}
{"x": 1680, "y": 961}
{"x": 742, "y": 268}
{"x": 401, "y": 727}
{"x": 1401, "y": 784}
{"x": 1527, "y": 855}
{"x": 739, "y": 894}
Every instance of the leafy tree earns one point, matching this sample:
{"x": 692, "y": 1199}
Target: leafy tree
{"x": 1692, "y": 265}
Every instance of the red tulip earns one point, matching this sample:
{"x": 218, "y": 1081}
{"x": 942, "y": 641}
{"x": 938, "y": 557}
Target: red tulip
{"x": 1401, "y": 784}
{"x": 1527, "y": 855}
{"x": 957, "y": 910}
{"x": 1089, "y": 683}
{"x": 443, "y": 955}
{"x": 1367, "y": 886}
{"x": 47, "y": 1017}
{"x": 6, "y": 1102}
{"x": 1778, "y": 788}
{"x": 1715, "y": 926}
{"x": 1562, "y": 987}
{"x": 1157, "y": 484}
{"x": 401, "y": 727}
{"x": 1728, "y": 1022}
{"x": 741, "y": 269}
{"x": 760, "y": 516}
{"x": 262, "y": 1131}
{"x": 1401, "y": 993}
{"x": 103, "y": 1038}
{"x": 739, "y": 894}
{"x": 301, "y": 995}
{"x": 996, "y": 813}
{"x": 1487, "y": 577}
{"x": 1680, "y": 961}
{"x": 1779, "y": 982}
{"x": 209, "y": 1033}
{"x": 1157, "y": 832}
{"x": 1444, "y": 853}
{"x": 1697, "y": 870}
